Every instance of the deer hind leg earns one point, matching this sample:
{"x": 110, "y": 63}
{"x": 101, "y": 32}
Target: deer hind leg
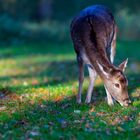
{"x": 81, "y": 78}
{"x": 92, "y": 76}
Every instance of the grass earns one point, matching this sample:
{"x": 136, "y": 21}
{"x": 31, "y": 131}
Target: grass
{"x": 38, "y": 90}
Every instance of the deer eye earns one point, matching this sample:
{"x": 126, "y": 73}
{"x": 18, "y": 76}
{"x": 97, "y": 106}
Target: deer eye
{"x": 117, "y": 85}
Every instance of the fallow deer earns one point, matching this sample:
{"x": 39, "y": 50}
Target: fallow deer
{"x": 93, "y": 32}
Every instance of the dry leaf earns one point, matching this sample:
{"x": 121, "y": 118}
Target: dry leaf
{"x": 77, "y": 111}
{"x": 2, "y": 108}
{"x": 120, "y": 129}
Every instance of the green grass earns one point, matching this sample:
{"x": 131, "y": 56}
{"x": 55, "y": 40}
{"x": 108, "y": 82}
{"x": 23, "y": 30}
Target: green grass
{"x": 38, "y": 87}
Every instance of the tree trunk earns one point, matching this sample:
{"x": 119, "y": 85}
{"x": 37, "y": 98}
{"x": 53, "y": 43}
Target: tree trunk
{"x": 45, "y": 9}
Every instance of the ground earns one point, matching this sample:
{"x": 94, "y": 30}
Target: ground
{"x": 38, "y": 87}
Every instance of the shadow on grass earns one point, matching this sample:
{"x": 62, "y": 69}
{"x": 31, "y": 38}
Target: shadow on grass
{"x": 64, "y": 118}
{"x": 99, "y": 93}
{"x": 54, "y": 72}
{"x": 61, "y": 73}
{"x": 35, "y": 49}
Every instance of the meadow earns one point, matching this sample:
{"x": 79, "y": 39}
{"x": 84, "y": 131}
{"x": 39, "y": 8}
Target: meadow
{"x": 38, "y": 87}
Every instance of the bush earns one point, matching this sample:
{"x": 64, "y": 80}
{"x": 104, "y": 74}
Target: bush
{"x": 129, "y": 25}
{"x": 14, "y": 31}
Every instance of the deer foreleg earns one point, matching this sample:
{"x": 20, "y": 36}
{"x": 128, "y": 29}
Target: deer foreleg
{"x": 109, "y": 98}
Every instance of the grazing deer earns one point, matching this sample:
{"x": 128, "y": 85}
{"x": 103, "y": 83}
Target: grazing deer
{"x": 93, "y": 33}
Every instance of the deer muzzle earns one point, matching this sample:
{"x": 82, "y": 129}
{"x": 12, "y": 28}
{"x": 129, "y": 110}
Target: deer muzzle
{"x": 126, "y": 102}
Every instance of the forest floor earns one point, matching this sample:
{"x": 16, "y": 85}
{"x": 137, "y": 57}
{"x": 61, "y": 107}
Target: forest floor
{"x": 38, "y": 87}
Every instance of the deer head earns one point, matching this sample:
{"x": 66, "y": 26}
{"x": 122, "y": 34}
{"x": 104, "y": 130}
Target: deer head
{"x": 116, "y": 82}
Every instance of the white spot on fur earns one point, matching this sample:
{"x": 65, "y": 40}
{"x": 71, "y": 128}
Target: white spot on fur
{"x": 85, "y": 58}
{"x": 112, "y": 55}
{"x": 102, "y": 70}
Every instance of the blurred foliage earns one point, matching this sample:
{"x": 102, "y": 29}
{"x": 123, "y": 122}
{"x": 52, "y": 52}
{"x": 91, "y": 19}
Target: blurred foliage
{"x": 61, "y": 9}
{"x": 15, "y": 32}
{"x": 50, "y": 19}
{"x": 129, "y": 25}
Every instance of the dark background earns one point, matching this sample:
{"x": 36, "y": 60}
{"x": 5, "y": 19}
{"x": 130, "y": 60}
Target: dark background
{"x": 48, "y": 20}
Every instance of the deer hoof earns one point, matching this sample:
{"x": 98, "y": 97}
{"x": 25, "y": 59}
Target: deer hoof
{"x": 87, "y": 102}
{"x": 79, "y": 101}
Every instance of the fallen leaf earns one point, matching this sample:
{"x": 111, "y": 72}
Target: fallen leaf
{"x": 108, "y": 132}
{"x": 127, "y": 118}
{"x": 77, "y": 111}
{"x": 139, "y": 122}
{"x": 58, "y": 98}
{"x": 32, "y": 102}
{"x": 116, "y": 121}
{"x": 25, "y": 83}
{"x": 92, "y": 110}
{"x": 14, "y": 96}
{"x": 64, "y": 124}
{"x": 77, "y": 121}
{"x": 87, "y": 125}
{"x": 65, "y": 106}
{"x": 101, "y": 113}
{"x": 120, "y": 129}
{"x": 21, "y": 122}
{"x": 35, "y": 82}
{"x": 2, "y": 95}
{"x": 51, "y": 123}
{"x": 2, "y": 108}
{"x": 34, "y": 133}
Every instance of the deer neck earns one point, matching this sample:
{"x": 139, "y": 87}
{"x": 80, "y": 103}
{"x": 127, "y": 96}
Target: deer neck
{"x": 105, "y": 73}
{"x": 102, "y": 65}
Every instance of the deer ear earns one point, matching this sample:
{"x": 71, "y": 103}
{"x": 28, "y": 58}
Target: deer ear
{"x": 103, "y": 69}
{"x": 123, "y": 65}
